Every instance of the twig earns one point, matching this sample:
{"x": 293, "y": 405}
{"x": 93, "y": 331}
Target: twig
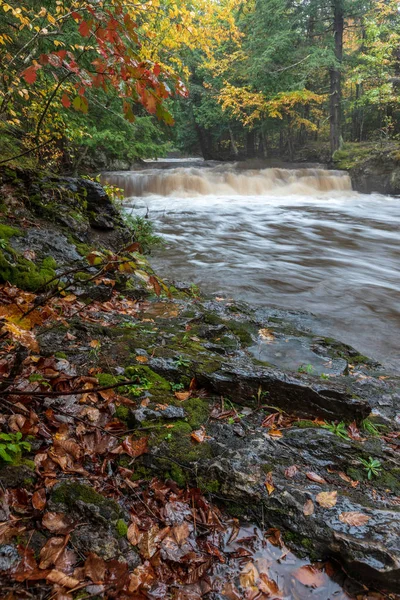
{"x": 70, "y": 393}
{"x": 2, "y": 162}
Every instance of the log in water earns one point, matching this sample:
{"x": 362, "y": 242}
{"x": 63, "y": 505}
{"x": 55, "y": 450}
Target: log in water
{"x": 297, "y": 239}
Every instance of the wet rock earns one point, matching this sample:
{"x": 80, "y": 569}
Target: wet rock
{"x": 370, "y": 551}
{"x": 17, "y": 476}
{"x": 147, "y": 414}
{"x": 45, "y": 242}
{"x": 9, "y": 557}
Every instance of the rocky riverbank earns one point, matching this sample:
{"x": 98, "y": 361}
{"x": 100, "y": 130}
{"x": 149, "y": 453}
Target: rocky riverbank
{"x": 114, "y": 376}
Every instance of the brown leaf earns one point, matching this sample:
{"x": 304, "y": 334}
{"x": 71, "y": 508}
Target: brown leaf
{"x": 248, "y": 576}
{"x": 95, "y": 568}
{"x": 199, "y": 435}
{"x": 141, "y": 576}
{"x": 133, "y": 534}
{"x": 354, "y": 432}
{"x": 147, "y": 543}
{"x": 268, "y": 586}
{"x": 27, "y": 568}
{"x": 354, "y": 519}
{"x": 315, "y": 477}
{"x": 39, "y": 499}
{"x": 269, "y": 484}
{"x": 308, "y": 507}
{"x": 310, "y": 576}
{"x": 344, "y": 477}
{"x": 182, "y": 396}
{"x": 25, "y": 338}
{"x": 51, "y": 551}
{"x": 61, "y": 579}
{"x": 327, "y": 499}
{"x": 69, "y": 447}
{"x": 181, "y": 532}
{"x": 291, "y": 471}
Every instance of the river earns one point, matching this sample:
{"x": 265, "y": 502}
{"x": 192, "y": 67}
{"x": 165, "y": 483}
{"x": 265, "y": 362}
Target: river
{"x": 293, "y": 238}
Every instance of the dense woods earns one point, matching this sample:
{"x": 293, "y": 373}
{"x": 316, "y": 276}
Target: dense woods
{"x": 262, "y": 78}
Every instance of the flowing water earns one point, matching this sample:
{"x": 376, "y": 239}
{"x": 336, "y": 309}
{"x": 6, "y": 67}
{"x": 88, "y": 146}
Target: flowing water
{"x": 296, "y": 239}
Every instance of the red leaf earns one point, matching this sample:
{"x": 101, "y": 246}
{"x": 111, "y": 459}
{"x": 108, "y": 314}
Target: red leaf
{"x": 65, "y": 101}
{"x": 157, "y": 70}
{"x": 84, "y": 29}
{"x": 30, "y": 73}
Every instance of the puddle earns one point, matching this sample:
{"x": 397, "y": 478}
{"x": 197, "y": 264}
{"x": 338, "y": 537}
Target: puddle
{"x": 291, "y": 353}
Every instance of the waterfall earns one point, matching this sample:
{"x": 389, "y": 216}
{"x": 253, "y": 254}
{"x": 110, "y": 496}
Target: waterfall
{"x": 192, "y": 181}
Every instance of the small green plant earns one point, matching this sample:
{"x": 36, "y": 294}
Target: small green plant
{"x": 136, "y": 389}
{"x": 324, "y": 376}
{"x": 180, "y": 361}
{"x": 3, "y": 243}
{"x": 168, "y": 437}
{"x": 372, "y": 466}
{"x": 11, "y": 445}
{"x": 372, "y": 428}
{"x": 176, "y": 387}
{"x": 338, "y": 429}
{"x": 306, "y": 369}
{"x": 143, "y": 230}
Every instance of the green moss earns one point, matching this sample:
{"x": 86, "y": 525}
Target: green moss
{"x": 198, "y": 411}
{"x": 105, "y": 379}
{"x": 179, "y": 444}
{"x": 304, "y": 424}
{"x": 242, "y": 331}
{"x": 178, "y": 475}
{"x": 81, "y": 276}
{"x": 142, "y": 473}
{"x": 356, "y": 474}
{"x": 7, "y": 232}
{"x": 69, "y": 493}
{"x": 359, "y": 359}
{"x": 122, "y": 528}
{"x": 122, "y": 413}
{"x": 60, "y": 355}
{"x": 235, "y": 510}
{"x": 208, "y": 485}
{"x": 24, "y": 273}
{"x": 389, "y": 480}
{"x": 82, "y": 249}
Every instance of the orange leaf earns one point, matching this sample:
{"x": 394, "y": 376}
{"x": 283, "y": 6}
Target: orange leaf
{"x": 84, "y": 29}
{"x": 315, "y": 477}
{"x": 199, "y": 435}
{"x": 133, "y": 534}
{"x": 327, "y": 499}
{"x": 308, "y": 508}
{"x": 182, "y": 396}
{"x": 269, "y": 483}
{"x": 310, "y": 576}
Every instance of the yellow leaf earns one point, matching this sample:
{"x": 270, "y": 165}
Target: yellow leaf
{"x": 327, "y": 499}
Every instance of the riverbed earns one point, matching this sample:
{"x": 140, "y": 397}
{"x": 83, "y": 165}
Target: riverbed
{"x": 299, "y": 239}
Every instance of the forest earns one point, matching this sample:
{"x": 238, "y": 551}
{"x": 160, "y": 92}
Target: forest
{"x": 199, "y": 284}
{"x": 226, "y": 80}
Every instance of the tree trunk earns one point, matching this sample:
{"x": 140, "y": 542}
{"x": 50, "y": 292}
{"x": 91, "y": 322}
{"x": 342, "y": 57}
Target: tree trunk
{"x": 336, "y": 77}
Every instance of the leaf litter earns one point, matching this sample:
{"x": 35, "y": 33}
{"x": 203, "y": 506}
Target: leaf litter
{"x": 188, "y": 548}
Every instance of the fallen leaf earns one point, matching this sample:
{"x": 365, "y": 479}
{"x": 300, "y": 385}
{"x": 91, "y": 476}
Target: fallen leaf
{"x": 142, "y": 359}
{"x": 57, "y": 522}
{"x": 268, "y": 586}
{"x": 291, "y": 471}
{"x": 269, "y": 483}
{"x": 147, "y": 543}
{"x": 133, "y": 534}
{"x": 39, "y": 499}
{"x": 275, "y": 432}
{"x": 61, "y": 579}
{"x": 182, "y": 396}
{"x": 315, "y": 477}
{"x": 95, "y": 568}
{"x": 25, "y": 338}
{"x": 308, "y": 507}
{"x": 266, "y": 335}
{"x": 354, "y": 519}
{"x": 181, "y": 532}
{"x": 310, "y": 576}
{"x": 29, "y": 255}
{"x": 199, "y": 435}
{"x": 327, "y": 499}
{"x": 51, "y": 551}
{"x": 344, "y": 477}
{"x": 248, "y": 576}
